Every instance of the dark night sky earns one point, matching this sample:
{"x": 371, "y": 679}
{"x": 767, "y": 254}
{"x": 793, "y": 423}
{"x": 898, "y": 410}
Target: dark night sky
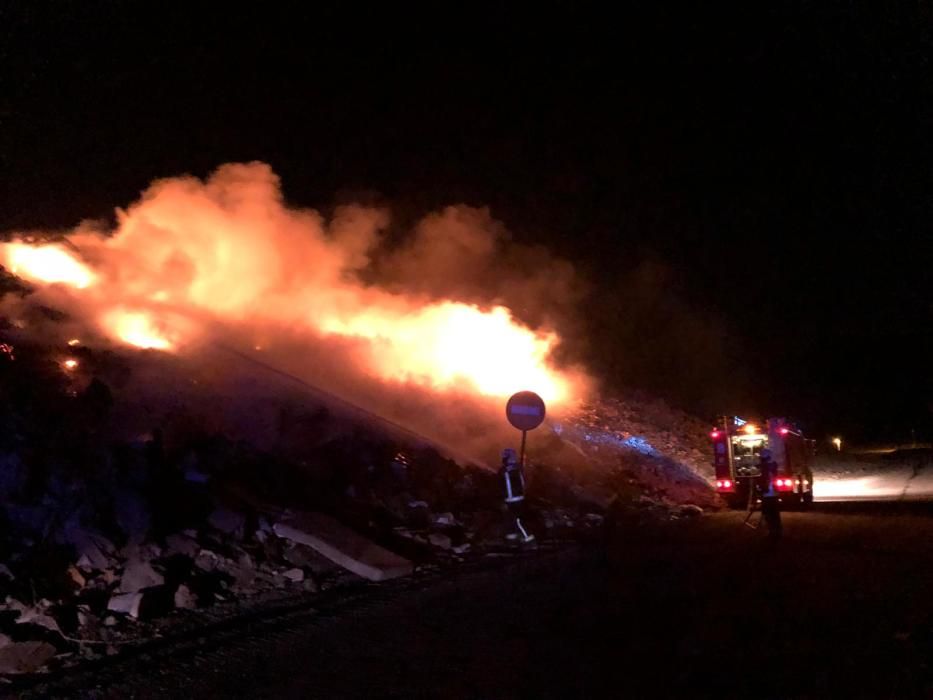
{"x": 747, "y": 194}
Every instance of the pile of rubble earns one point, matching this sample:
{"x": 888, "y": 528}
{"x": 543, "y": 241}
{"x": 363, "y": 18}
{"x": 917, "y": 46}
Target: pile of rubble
{"x": 106, "y": 543}
{"x": 640, "y": 449}
{"x": 74, "y": 592}
{"x": 646, "y": 426}
{"x": 121, "y": 555}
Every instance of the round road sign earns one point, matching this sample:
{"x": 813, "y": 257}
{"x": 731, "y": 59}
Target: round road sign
{"x": 525, "y": 410}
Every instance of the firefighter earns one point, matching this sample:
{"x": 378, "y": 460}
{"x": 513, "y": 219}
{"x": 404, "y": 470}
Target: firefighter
{"x": 770, "y": 505}
{"x": 513, "y": 481}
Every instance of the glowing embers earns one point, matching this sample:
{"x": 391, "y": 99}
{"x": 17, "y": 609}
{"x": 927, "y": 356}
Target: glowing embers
{"x": 51, "y": 264}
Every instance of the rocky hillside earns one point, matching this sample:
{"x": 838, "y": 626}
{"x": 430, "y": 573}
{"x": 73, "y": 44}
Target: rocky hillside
{"x": 110, "y": 540}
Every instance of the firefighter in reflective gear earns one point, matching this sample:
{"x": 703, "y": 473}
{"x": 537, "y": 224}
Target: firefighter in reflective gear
{"x": 513, "y": 479}
{"x": 770, "y": 505}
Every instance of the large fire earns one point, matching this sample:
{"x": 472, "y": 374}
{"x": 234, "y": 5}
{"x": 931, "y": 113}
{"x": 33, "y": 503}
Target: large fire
{"x": 46, "y": 263}
{"x": 136, "y": 328}
{"x": 445, "y": 344}
{"x": 229, "y": 250}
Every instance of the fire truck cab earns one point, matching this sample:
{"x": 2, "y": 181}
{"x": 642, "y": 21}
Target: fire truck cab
{"x": 737, "y": 447}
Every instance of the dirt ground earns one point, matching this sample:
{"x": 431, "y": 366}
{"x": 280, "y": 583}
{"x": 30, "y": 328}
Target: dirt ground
{"x": 843, "y": 605}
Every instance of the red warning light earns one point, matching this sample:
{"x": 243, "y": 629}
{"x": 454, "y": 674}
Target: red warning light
{"x": 714, "y": 434}
{"x": 784, "y": 431}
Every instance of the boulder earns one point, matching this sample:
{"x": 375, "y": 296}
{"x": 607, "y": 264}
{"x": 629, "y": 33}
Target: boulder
{"x": 343, "y": 546}
{"x": 445, "y": 519}
{"x": 184, "y": 598}
{"x": 138, "y": 574}
{"x": 126, "y": 603}
{"x": 77, "y": 577}
{"x": 94, "y": 551}
{"x": 439, "y": 540}
{"x": 182, "y": 544}
{"x": 206, "y": 560}
{"x": 295, "y": 575}
{"x": 37, "y": 615}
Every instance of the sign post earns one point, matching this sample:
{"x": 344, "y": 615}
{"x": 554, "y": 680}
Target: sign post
{"x": 525, "y": 411}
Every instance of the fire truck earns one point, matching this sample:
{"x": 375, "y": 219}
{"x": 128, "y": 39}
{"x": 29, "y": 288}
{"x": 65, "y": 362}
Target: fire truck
{"x": 737, "y": 447}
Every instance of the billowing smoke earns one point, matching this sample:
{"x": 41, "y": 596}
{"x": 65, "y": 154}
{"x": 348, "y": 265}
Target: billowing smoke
{"x": 433, "y": 331}
{"x": 463, "y": 253}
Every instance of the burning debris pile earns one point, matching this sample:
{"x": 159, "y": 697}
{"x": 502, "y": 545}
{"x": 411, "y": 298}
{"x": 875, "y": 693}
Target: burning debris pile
{"x": 418, "y": 326}
{"x": 195, "y": 262}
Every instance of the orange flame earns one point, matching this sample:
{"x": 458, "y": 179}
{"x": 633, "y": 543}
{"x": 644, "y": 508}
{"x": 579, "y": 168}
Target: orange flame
{"x": 46, "y": 263}
{"x": 446, "y": 344}
{"x": 229, "y": 250}
{"x": 137, "y": 329}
